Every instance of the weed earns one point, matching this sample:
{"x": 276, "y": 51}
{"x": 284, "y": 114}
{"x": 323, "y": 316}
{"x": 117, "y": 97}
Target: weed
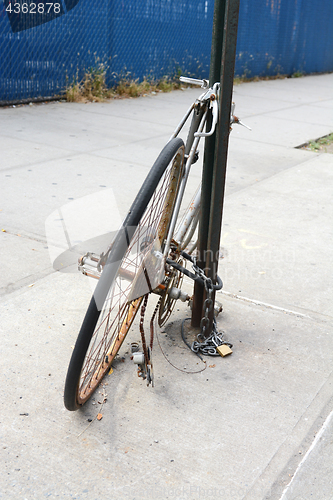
{"x": 127, "y": 87}
{"x": 320, "y": 144}
{"x": 91, "y": 88}
{"x": 73, "y": 91}
{"x": 297, "y": 74}
{"x": 168, "y": 84}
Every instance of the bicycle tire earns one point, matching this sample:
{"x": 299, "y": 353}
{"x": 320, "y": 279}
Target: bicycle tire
{"x": 112, "y": 308}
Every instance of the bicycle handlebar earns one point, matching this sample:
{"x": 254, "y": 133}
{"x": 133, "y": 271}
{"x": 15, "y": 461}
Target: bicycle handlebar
{"x": 194, "y": 81}
{"x": 212, "y": 92}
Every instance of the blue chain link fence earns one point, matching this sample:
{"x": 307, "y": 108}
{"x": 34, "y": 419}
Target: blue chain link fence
{"x": 284, "y": 37}
{"x": 45, "y": 44}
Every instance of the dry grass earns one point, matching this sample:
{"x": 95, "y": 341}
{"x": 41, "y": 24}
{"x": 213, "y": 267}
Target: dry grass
{"x": 92, "y": 88}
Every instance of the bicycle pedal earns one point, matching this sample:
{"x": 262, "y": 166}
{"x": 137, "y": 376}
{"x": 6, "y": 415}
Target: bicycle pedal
{"x": 138, "y": 358}
{"x": 88, "y": 265}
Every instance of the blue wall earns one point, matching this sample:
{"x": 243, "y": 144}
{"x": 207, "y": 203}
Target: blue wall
{"x": 284, "y": 36}
{"x": 156, "y": 38}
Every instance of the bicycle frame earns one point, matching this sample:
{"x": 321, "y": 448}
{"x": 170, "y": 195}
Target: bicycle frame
{"x": 200, "y": 110}
{"x": 207, "y": 102}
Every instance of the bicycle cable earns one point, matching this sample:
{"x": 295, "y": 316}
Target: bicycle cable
{"x": 176, "y": 367}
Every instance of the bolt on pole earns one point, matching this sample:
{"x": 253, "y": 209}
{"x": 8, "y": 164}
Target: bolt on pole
{"x": 222, "y": 69}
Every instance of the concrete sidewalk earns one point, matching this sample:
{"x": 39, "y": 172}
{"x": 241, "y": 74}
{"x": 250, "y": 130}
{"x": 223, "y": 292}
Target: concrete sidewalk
{"x": 254, "y": 425}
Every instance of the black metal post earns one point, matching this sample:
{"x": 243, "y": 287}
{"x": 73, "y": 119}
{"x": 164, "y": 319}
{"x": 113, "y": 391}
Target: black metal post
{"x": 208, "y": 165}
{"x": 216, "y": 149}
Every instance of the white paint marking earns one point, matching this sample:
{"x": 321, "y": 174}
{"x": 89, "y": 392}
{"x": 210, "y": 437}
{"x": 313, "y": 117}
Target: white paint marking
{"x": 259, "y": 303}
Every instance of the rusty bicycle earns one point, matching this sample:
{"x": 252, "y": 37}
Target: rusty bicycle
{"x": 147, "y": 256}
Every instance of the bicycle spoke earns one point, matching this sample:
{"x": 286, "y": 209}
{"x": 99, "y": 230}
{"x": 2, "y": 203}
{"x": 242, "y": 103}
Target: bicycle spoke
{"x": 132, "y": 281}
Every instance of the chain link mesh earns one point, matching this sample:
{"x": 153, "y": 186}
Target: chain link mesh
{"x": 42, "y": 52}
{"x": 284, "y": 37}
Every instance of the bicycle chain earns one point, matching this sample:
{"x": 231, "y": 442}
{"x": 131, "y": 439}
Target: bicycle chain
{"x": 143, "y": 339}
{"x": 147, "y": 371}
{"x": 152, "y": 323}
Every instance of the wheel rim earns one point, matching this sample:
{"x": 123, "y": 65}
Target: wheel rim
{"x": 131, "y": 283}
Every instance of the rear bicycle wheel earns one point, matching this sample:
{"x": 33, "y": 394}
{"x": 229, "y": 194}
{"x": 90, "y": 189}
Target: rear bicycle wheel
{"x": 133, "y": 268}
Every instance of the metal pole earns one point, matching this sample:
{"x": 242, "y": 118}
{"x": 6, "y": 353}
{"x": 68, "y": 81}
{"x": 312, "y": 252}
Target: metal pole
{"x": 208, "y": 164}
{"x": 217, "y": 149}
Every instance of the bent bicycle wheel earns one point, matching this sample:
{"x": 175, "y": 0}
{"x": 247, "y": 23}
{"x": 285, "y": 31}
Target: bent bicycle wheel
{"x": 134, "y": 267}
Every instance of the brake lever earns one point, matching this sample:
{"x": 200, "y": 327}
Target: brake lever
{"x": 236, "y": 120}
{"x": 215, "y": 112}
{"x": 212, "y": 94}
